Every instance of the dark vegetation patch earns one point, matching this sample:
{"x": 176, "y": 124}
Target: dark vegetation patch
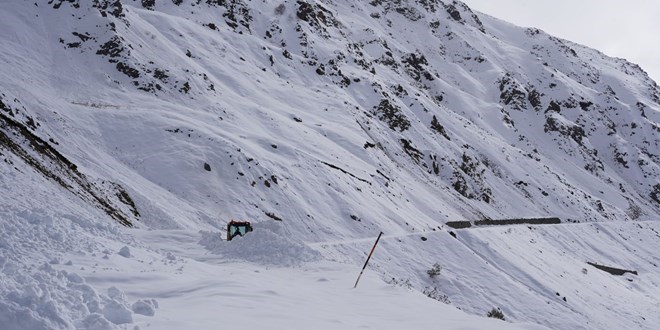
{"x": 496, "y": 313}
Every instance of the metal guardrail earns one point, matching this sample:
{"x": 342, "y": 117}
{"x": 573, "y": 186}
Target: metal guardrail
{"x": 503, "y": 222}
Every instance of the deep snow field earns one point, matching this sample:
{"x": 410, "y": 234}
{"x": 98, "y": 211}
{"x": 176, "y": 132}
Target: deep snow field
{"x": 176, "y": 279}
{"x": 114, "y": 278}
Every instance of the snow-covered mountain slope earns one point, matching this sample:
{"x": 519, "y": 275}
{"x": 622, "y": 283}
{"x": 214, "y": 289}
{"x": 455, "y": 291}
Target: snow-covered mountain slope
{"x": 338, "y": 120}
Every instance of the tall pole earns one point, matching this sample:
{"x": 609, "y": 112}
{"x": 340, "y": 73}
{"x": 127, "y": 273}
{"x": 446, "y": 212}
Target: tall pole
{"x": 369, "y": 257}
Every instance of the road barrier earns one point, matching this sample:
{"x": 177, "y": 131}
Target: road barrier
{"x": 503, "y": 222}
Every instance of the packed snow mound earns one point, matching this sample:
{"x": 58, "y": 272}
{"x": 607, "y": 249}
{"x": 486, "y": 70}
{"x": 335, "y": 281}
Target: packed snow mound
{"x": 267, "y": 245}
{"x": 40, "y": 287}
{"x": 46, "y": 298}
{"x": 28, "y": 231}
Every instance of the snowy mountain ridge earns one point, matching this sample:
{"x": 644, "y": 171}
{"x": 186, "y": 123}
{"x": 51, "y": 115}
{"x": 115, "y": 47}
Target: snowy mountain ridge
{"x": 337, "y": 120}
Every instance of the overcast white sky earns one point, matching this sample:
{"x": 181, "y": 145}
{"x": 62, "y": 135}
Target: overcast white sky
{"x": 629, "y": 29}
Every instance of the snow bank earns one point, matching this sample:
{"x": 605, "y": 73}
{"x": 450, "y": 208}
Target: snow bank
{"x": 145, "y": 307}
{"x": 268, "y": 245}
{"x": 45, "y": 298}
{"x": 125, "y": 252}
{"x": 38, "y": 292}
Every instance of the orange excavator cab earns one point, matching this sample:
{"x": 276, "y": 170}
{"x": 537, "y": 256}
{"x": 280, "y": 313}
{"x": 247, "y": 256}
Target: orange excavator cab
{"x": 238, "y": 228}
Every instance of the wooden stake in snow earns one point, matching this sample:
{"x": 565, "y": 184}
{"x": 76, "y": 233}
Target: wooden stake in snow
{"x": 369, "y": 257}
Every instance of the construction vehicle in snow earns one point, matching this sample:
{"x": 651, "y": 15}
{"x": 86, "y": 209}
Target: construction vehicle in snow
{"x": 237, "y": 228}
